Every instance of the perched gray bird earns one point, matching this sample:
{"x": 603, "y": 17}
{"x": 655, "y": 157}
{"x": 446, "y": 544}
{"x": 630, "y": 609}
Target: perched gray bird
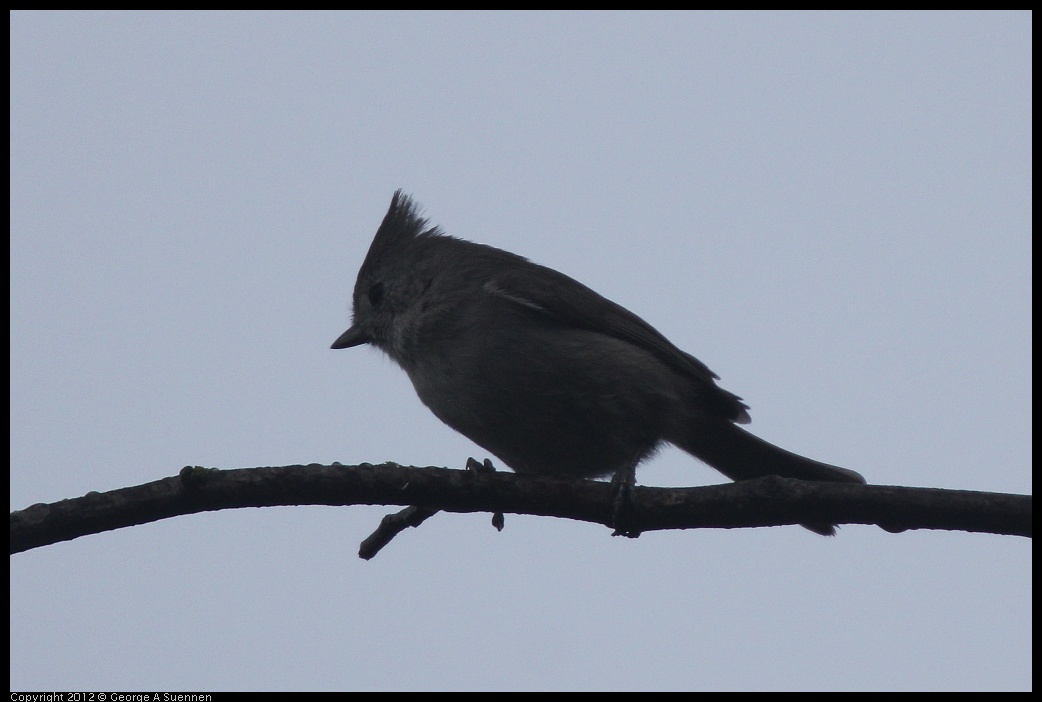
{"x": 540, "y": 370}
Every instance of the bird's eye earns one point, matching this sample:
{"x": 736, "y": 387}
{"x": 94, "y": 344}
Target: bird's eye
{"x": 376, "y": 294}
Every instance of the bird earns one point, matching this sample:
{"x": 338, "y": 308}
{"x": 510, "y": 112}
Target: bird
{"x": 538, "y": 369}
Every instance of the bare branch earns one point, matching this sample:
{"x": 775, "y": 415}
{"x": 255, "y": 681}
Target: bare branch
{"x": 770, "y": 501}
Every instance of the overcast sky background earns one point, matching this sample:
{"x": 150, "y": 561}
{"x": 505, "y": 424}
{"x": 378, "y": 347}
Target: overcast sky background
{"x": 833, "y": 211}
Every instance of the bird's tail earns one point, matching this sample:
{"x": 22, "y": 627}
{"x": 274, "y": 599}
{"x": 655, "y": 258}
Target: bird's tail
{"x": 741, "y": 456}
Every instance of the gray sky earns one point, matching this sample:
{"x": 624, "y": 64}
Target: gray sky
{"x": 833, "y": 211}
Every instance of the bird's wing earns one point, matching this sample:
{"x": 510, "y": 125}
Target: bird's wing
{"x": 567, "y": 301}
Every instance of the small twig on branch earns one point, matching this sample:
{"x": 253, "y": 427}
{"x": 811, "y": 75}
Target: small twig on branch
{"x": 394, "y": 524}
{"x": 391, "y": 526}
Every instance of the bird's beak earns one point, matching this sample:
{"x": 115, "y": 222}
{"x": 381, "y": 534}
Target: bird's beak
{"x": 355, "y": 336}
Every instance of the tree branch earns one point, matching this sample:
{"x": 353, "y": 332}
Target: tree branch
{"x": 769, "y": 501}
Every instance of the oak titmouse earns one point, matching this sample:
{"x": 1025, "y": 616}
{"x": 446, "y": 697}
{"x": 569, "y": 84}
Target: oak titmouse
{"x": 540, "y": 370}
